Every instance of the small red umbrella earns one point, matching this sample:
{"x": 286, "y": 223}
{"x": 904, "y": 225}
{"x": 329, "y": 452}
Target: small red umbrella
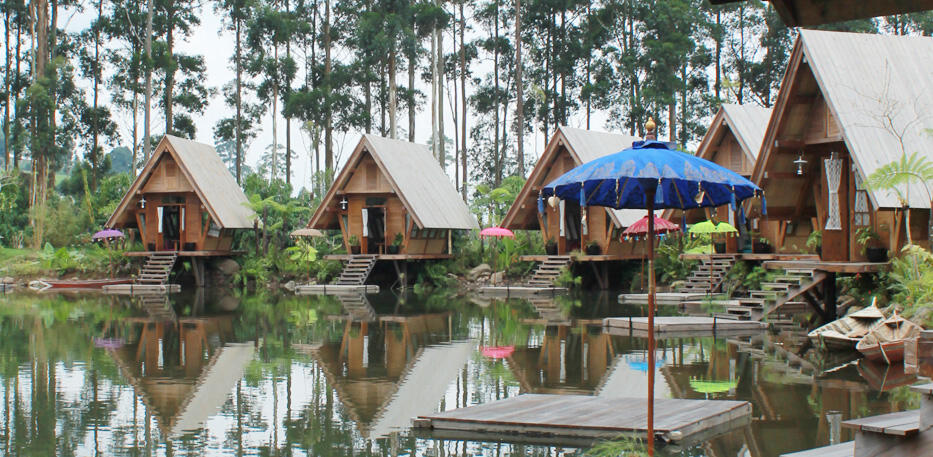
{"x": 640, "y": 228}
{"x": 497, "y": 232}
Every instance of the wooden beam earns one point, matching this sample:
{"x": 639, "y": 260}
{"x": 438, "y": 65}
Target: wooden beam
{"x": 787, "y": 212}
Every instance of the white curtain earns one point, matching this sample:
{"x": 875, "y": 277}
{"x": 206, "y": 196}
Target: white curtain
{"x": 833, "y": 179}
{"x": 159, "y": 211}
{"x": 365, "y": 223}
{"x": 583, "y": 224}
{"x": 562, "y": 221}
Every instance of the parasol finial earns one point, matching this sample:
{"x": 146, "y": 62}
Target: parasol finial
{"x": 650, "y": 133}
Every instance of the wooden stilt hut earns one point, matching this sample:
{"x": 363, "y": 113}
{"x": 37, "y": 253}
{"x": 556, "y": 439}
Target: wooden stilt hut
{"x": 849, "y": 104}
{"x": 733, "y": 141}
{"x": 389, "y": 188}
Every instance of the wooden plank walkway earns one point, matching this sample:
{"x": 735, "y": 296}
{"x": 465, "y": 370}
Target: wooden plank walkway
{"x": 336, "y": 289}
{"x": 673, "y": 326}
{"x": 141, "y": 289}
{"x": 583, "y": 416}
{"x": 905, "y": 423}
{"x": 520, "y": 291}
{"x": 662, "y": 298}
{"x": 846, "y": 449}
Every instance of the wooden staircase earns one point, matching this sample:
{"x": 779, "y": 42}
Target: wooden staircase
{"x": 157, "y": 268}
{"x": 357, "y": 270}
{"x": 157, "y": 307}
{"x": 357, "y": 307}
{"x": 777, "y": 301}
{"x": 548, "y": 271}
{"x": 708, "y": 275}
{"x": 548, "y": 310}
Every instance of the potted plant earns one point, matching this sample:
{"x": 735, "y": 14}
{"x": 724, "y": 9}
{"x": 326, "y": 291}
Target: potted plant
{"x": 550, "y": 247}
{"x": 592, "y": 248}
{"x": 354, "y": 243}
{"x": 870, "y": 240}
{"x": 719, "y": 247}
{"x": 815, "y": 242}
{"x": 762, "y": 246}
{"x": 396, "y": 245}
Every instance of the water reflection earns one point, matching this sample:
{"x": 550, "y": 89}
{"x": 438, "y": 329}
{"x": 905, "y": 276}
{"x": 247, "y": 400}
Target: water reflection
{"x": 221, "y": 374}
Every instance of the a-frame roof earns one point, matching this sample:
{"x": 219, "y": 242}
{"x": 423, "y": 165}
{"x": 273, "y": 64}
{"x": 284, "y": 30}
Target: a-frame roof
{"x": 207, "y": 174}
{"x": 583, "y": 146}
{"x": 747, "y": 122}
{"x": 417, "y": 179}
{"x": 870, "y": 82}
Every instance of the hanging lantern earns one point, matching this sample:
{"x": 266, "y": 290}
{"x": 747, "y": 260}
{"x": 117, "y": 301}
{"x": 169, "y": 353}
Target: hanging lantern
{"x": 553, "y": 201}
{"x": 344, "y": 203}
{"x": 800, "y": 162}
{"x": 142, "y": 202}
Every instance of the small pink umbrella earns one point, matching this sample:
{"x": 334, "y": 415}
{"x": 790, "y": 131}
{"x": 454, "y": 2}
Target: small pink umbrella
{"x": 107, "y": 233}
{"x": 497, "y": 232}
{"x": 497, "y": 352}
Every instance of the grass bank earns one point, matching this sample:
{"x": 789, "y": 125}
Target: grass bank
{"x": 67, "y": 262}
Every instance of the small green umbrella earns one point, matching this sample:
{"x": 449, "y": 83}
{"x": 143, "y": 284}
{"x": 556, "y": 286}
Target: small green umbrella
{"x": 711, "y": 228}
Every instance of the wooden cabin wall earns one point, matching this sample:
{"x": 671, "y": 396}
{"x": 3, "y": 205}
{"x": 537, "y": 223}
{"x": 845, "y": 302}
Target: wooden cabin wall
{"x": 596, "y": 227}
{"x": 367, "y": 178}
{"x": 730, "y": 155}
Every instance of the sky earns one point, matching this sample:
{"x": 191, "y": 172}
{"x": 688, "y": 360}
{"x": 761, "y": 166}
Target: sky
{"x": 216, "y": 45}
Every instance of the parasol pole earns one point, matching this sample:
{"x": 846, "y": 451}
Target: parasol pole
{"x": 649, "y": 197}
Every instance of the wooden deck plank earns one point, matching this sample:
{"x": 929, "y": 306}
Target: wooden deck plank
{"x": 336, "y": 289}
{"x": 898, "y": 424}
{"x": 819, "y": 265}
{"x": 846, "y": 449}
{"x": 590, "y": 417}
{"x": 682, "y": 323}
{"x": 520, "y": 291}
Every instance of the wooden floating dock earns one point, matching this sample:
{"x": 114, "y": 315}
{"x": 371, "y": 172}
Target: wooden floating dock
{"x": 336, "y": 289}
{"x": 846, "y": 449}
{"x": 583, "y": 418}
{"x": 672, "y": 326}
{"x": 663, "y": 298}
{"x": 520, "y": 291}
{"x": 141, "y": 289}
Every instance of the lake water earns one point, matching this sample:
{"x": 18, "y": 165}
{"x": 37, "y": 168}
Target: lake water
{"x": 217, "y": 374}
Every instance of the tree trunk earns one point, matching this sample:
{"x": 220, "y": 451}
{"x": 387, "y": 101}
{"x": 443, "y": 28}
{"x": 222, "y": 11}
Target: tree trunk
{"x": 95, "y": 134}
{"x": 275, "y": 112}
{"x": 434, "y": 94}
{"x": 6, "y": 89}
{"x": 718, "y": 84}
{"x": 238, "y": 56}
{"x": 441, "y": 147}
{"x": 672, "y": 118}
{"x": 328, "y": 117}
{"x": 147, "y": 146}
{"x": 393, "y": 103}
{"x": 519, "y": 101}
{"x": 463, "y": 106}
{"x": 412, "y": 64}
{"x": 497, "y": 180}
{"x": 169, "y": 100}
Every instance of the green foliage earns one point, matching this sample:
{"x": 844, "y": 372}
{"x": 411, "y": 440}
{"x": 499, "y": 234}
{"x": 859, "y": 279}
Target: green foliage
{"x": 621, "y": 447}
{"x": 494, "y": 202}
{"x": 866, "y": 237}
{"x": 815, "y": 239}
{"x": 668, "y": 264}
{"x": 899, "y": 174}
{"x": 911, "y": 280}
{"x": 398, "y": 240}
{"x": 353, "y": 240}
{"x": 567, "y": 279}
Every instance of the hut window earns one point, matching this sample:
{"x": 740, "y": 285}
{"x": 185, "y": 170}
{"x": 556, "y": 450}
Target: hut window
{"x": 862, "y": 214}
{"x": 375, "y": 201}
{"x": 214, "y": 231}
{"x": 415, "y": 232}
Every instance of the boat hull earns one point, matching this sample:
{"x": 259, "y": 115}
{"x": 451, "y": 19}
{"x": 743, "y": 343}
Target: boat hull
{"x": 890, "y": 352}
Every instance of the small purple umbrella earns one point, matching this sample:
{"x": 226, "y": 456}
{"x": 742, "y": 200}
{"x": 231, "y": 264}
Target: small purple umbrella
{"x": 108, "y": 233}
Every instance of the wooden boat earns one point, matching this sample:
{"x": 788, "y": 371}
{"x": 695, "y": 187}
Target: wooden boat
{"x": 885, "y": 342}
{"x": 46, "y": 284}
{"x": 844, "y": 333}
